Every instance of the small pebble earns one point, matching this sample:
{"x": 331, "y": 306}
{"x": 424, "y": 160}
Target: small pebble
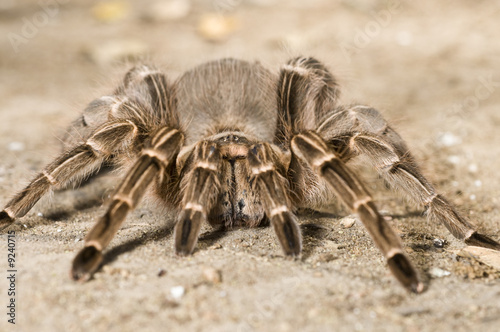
{"x": 454, "y": 160}
{"x": 216, "y": 27}
{"x": 15, "y": 146}
{"x": 347, "y": 222}
{"x": 161, "y": 272}
{"x": 161, "y": 11}
{"x": 216, "y": 246}
{"x": 472, "y": 197}
{"x": 39, "y": 214}
{"x": 326, "y": 257}
{"x": 110, "y": 11}
{"x": 473, "y": 168}
{"x": 448, "y": 139}
{"x": 438, "y": 243}
{"x": 177, "y": 292}
{"x": 212, "y": 275}
{"x": 478, "y": 183}
{"x": 59, "y": 230}
{"x": 436, "y": 272}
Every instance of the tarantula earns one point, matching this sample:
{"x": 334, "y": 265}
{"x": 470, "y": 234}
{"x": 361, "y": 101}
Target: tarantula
{"x": 232, "y": 143}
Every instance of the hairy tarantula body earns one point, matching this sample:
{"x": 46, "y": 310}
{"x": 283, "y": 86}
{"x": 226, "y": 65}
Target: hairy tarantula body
{"x": 232, "y": 143}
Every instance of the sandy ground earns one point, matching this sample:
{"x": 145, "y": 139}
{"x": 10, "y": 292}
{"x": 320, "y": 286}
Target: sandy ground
{"x": 431, "y": 69}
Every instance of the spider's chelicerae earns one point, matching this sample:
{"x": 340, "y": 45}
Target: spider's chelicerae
{"x": 232, "y": 143}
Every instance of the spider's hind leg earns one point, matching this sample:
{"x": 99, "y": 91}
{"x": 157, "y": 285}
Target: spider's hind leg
{"x": 369, "y": 134}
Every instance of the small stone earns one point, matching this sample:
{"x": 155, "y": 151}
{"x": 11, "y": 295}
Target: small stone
{"x": 348, "y": 222}
{"x": 473, "y": 168}
{"x": 161, "y": 272}
{"x": 326, "y": 257}
{"x": 177, "y": 292}
{"x": 438, "y": 243}
{"x": 436, "y": 272}
{"x": 39, "y": 214}
{"x": 216, "y": 27}
{"x": 449, "y": 139}
{"x": 455, "y": 160}
{"x": 216, "y": 246}
{"x": 212, "y": 275}
{"x": 161, "y": 11}
{"x": 110, "y": 11}
{"x": 16, "y": 146}
{"x": 478, "y": 183}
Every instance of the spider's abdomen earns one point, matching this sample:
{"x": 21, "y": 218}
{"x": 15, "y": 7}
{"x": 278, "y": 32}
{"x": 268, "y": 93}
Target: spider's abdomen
{"x": 227, "y": 95}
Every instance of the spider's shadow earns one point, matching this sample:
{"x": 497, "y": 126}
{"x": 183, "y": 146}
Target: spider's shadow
{"x": 112, "y": 254}
{"x": 156, "y": 234}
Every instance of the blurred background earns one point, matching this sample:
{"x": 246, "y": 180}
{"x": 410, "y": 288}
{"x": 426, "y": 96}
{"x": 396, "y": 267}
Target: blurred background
{"x": 431, "y": 68}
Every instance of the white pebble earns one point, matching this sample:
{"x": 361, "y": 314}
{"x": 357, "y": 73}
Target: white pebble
{"x": 177, "y": 292}
{"x": 473, "y": 168}
{"x": 168, "y": 10}
{"x": 478, "y": 183}
{"x": 449, "y": 139}
{"x": 59, "y": 230}
{"x": 472, "y": 197}
{"x": 436, "y": 272}
{"x": 16, "y": 146}
{"x": 39, "y": 214}
{"x": 347, "y": 222}
{"x": 454, "y": 160}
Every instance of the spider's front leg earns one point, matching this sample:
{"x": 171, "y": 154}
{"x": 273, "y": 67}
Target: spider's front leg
{"x": 201, "y": 189}
{"x": 272, "y": 190}
{"x": 159, "y": 152}
{"x": 312, "y": 150}
{"x": 76, "y": 162}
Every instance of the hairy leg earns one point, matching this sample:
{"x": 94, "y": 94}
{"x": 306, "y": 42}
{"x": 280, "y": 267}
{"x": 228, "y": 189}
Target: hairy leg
{"x": 366, "y": 132}
{"x": 312, "y": 150}
{"x": 157, "y": 155}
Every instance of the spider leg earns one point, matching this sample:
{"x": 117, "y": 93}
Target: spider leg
{"x": 201, "y": 189}
{"x": 272, "y": 189}
{"x": 71, "y": 165}
{"x": 311, "y": 149}
{"x": 157, "y": 155}
{"x": 389, "y": 154}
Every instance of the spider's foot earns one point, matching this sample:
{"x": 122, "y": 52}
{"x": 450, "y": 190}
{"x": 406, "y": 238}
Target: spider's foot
{"x": 480, "y": 240}
{"x": 5, "y": 220}
{"x": 86, "y": 263}
{"x": 406, "y": 274}
{"x": 187, "y": 230}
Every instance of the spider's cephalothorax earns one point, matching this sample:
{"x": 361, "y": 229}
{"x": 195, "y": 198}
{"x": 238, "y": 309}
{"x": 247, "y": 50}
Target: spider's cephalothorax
{"x": 231, "y": 143}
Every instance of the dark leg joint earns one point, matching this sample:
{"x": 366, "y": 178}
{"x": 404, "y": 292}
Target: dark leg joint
{"x": 5, "y": 220}
{"x": 86, "y": 263}
{"x": 480, "y": 240}
{"x": 405, "y": 272}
